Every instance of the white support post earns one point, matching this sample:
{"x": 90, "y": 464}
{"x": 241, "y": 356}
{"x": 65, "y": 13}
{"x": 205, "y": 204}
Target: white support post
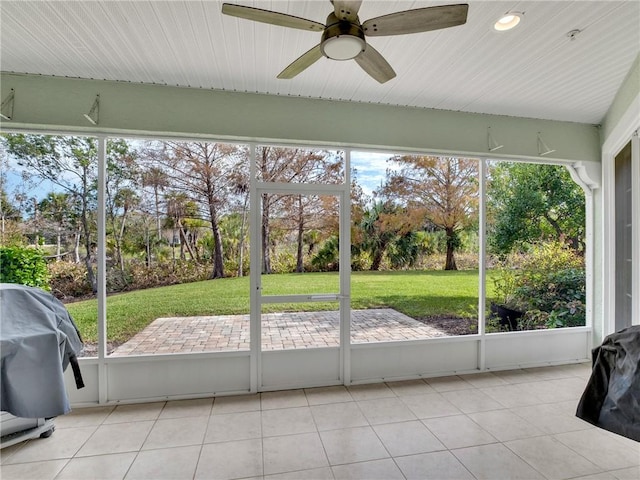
{"x": 255, "y": 269}
{"x": 101, "y": 274}
{"x": 635, "y": 228}
{"x": 482, "y": 264}
{"x": 345, "y": 271}
{"x": 580, "y": 177}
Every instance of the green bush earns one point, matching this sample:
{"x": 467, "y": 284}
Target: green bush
{"x": 327, "y": 258}
{"x": 548, "y": 284}
{"x": 68, "y": 280}
{"x": 23, "y": 265}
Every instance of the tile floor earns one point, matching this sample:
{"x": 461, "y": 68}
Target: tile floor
{"x": 505, "y": 425}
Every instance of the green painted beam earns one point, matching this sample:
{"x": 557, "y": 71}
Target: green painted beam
{"x": 46, "y": 103}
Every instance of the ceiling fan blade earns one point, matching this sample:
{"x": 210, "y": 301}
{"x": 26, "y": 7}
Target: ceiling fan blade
{"x": 417, "y": 20}
{"x": 375, "y": 65}
{"x": 303, "y": 62}
{"x": 346, "y": 10}
{"x": 268, "y": 16}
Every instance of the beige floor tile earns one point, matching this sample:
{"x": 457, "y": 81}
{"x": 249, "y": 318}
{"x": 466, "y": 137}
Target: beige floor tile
{"x": 385, "y": 410}
{"x": 485, "y": 379}
{"x": 187, "y": 408}
{"x": 228, "y": 460}
{"x": 597, "y": 476}
{"x": 176, "y": 432}
{"x": 351, "y": 445}
{"x": 116, "y": 438}
{"x": 385, "y": 469}
{"x": 287, "y": 421}
{"x": 436, "y": 466}
{"x": 551, "y": 372}
{"x": 559, "y": 390}
{"x": 623, "y": 440}
{"x": 448, "y": 384}
{"x": 165, "y": 464}
{"x": 516, "y": 376}
{"x": 600, "y": 448}
{"x": 324, "y": 395}
{"x": 513, "y": 395}
{"x": 64, "y": 443}
{"x": 632, "y": 473}
{"x": 470, "y": 401}
{"x": 410, "y": 387}
{"x": 338, "y": 415}
{"x": 495, "y": 462}
{"x": 551, "y": 419}
{"x": 430, "y": 405}
{"x": 235, "y": 404}
{"x": 100, "y": 467}
{"x": 273, "y": 435}
{"x": 283, "y": 399}
{"x": 324, "y": 473}
{"x": 8, "y": 452}
{"x": 505, "y": 425}
{"x": 234, "y": 426}
{"x": 458, "y": 431}
{"x": 46, "y": 470}
{"x": 407, "y": 438}
{"x": 135, "y": 413}
{"x": 581, "y": 370}
{"x": 370, "y": 391}
{"x": 291, "y": 453}
{"x": 551, "y": 458}
{"x": 83, "y": 417}
{"x": 568, "y": 407}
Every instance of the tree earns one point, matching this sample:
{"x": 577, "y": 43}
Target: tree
{"x": 70, "y": 164}
{"x": 205, "y": 172}
{"x": 179, "y": 209}
{"x": 441, "y": 191}
{"x": 292, "y": 165}
{"x": 9, "y": 214}
{"x": 158, "y": 180}
{"x": 122, "y": 192}
{"x": 531, "y": 202}
{"x": 61, "y": 209}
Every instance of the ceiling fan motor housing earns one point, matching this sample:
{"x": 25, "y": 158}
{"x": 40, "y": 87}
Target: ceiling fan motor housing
{"x": 342, "y": 40}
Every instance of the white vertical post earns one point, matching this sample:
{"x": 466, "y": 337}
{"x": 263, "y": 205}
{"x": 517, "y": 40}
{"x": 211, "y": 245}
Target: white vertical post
{"x": 255, "y": 270}
{"x": 101, "y": 274}
{"x": 589, "y": 264}
{"x": 345, "y": 271}
{"x": 482, "y": 263}
{"x": 635, "y": 228}
{"x": 608, "y": 230}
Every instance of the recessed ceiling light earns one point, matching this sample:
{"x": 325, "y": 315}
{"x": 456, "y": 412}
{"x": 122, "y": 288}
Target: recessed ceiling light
{"x": 508, "y": 21}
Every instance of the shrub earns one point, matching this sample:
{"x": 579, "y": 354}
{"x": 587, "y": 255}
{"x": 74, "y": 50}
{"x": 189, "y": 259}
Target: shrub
{"x": 68, "y": 280}
{"x": 327, "y": 258}
{"x": 24, "y": 265}
{"x": 548, "y": 285}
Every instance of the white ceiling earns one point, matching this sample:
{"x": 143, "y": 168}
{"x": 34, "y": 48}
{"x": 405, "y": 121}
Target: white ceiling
{"x": 532, "y": 71}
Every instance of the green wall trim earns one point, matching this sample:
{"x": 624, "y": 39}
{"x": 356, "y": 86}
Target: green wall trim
{"x": 627, "y": 94}
{"x": 53, "y": 103}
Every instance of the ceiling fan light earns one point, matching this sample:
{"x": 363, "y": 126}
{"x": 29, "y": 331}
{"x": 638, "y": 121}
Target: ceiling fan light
{"x": 343, "y": 47}
{"x": 508, "y": 21}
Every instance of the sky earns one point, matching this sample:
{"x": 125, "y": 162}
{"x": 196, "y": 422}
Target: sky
{"x": 370, "y": 169}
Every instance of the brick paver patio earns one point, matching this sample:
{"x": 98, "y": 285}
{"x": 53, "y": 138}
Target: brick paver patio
{"x": 279, "y": 331}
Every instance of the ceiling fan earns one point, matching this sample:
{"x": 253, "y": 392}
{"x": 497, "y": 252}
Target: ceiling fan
{"x": 343, "y": 36}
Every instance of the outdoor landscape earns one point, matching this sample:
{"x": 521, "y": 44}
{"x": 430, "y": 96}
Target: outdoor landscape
{"x": 177, "y": 233}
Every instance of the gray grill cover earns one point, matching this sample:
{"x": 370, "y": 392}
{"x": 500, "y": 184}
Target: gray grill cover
{"x": 38, "y": 340}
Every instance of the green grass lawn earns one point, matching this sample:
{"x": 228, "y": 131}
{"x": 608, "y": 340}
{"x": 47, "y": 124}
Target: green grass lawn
{"x": 418, "y": 294}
